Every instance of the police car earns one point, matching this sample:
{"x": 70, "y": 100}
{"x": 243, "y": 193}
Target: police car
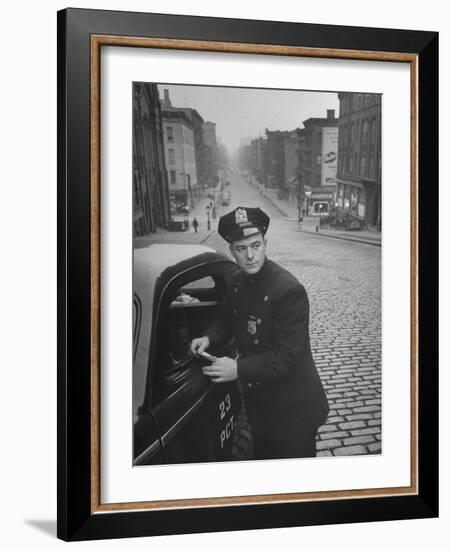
{"x": 180, "y": 416}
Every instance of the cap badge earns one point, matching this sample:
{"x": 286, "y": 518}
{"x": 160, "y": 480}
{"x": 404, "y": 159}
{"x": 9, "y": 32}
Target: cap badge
{"x": 241, "y": 216}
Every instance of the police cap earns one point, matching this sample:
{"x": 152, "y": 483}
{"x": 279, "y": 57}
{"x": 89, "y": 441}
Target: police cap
{"x": 242, "y": 222}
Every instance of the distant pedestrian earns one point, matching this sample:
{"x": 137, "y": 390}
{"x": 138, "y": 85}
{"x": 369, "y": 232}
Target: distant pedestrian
{"x": 195, "y": 224}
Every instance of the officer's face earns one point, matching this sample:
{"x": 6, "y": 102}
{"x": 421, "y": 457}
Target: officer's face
{"x": 250, "y": 253}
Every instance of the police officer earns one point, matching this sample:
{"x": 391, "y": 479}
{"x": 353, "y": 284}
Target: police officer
{"x": 267, "y": 310}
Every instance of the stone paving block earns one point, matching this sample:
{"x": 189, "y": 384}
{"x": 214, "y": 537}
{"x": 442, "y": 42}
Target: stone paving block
{"x": 352, "y": 425}
{"x": 359, "y": 440}
{"x": 373, "y": 401}
{"x": 375, "y": 422}
{"x": 327, "y": 428}
{"x": 366, "y": 431}
{"x": 324, "y": 453}
{"x": 353, "y": 450}
{"x": 334, "y": 434}
{"x": 375, "y": 447}
{"x": 364, "y": 416}
{"x": 367, "y": 409}
{"x": 335, "y": 392}
{"x": 335, "y": 419}
{"x": 328, "y": 444}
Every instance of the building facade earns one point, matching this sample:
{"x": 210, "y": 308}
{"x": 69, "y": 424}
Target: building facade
{"x": 197, "y": 127}
{"x": 151, "y": 204}
{"x": 359, "y": 163}
{"x": 317, "y": 161}
{"x": 180, "y": 159}
{"x": 210, "y": 151}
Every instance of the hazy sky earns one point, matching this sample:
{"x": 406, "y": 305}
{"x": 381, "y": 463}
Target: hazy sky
{"x": 244, "y": 112}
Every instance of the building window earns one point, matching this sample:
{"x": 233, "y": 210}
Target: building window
{"x": 364, "y": 131}
{"x": 372, "y": 166}
{"x": 169, "y": 133}
{"x": 363, "y": 167}
{"x": 171, "y": 156}
{"x": 173, "y": 177}
{"x": 373, "y": 132}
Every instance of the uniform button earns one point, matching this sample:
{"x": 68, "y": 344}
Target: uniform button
{"x": 256, "y": 341}
{"x": 259, "y": 321}
{"x": 234, "y": 311}
{"x": 235, "y": 290}
{"x": 266, "y": 298}
{"x": 250, "y": 384}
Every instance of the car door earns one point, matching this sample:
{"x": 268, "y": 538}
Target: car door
{"x": 194, "y": 417}
{"x": 147, "y": 445}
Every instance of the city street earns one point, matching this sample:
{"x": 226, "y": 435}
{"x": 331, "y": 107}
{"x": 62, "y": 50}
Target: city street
{"x": 343, "y": 281}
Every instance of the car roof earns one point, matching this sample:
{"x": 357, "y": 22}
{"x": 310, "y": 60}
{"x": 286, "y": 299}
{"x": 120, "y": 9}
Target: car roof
{"x": 151, "y": 261}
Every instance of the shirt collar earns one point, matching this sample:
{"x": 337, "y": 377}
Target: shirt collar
{"x": 251, "y": 279}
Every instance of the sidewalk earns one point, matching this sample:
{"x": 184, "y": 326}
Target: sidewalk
{"x": 311, "y": 223}
{"x": 183, "y": 237}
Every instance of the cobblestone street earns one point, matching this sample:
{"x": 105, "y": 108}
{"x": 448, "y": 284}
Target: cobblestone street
{"x": 343, "y": 281}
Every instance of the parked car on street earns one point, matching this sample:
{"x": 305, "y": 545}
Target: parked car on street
{"x": 180, "y": 416}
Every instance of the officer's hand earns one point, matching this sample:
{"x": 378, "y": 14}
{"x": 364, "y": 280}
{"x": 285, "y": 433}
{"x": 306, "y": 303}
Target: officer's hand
{"x": 224, "y": 369}
{"x": 199, "y": 344}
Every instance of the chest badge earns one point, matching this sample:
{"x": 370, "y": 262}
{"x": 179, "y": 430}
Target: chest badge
{"x": 251, "y": 325}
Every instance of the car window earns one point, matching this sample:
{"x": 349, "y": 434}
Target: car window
{"x": 193, "y": 304}
{"x": 183, "y": 321}
{"x": 204, "y": 282}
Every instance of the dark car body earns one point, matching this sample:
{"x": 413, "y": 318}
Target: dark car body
{"x": 180, "y": 416}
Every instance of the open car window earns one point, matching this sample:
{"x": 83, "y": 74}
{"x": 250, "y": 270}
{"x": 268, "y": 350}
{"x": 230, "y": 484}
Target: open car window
{"x": 192, "y": 306}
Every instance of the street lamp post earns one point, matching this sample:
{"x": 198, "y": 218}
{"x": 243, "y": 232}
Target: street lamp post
{"x": 320, "y": 215}
{"x": 209, "y": 219}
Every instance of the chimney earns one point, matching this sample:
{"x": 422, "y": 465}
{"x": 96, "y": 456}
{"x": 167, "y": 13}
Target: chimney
{"x": 167, "y": 104}
{"x": 330, "y": 113}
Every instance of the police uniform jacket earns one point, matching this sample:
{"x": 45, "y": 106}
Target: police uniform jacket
{"x": 268, "y": 313}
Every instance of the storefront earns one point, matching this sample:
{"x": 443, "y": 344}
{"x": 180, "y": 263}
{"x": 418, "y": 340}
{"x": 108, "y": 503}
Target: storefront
{"x": 320, "y": 204}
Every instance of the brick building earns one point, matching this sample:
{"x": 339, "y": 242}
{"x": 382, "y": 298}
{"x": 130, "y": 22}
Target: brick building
{"x": 317, "y": 185}
{"x": 151, "y": 205}
{"x": 359, "y": 166}
{"x": 197, "y": 127}
{"x": 180, "y": 158}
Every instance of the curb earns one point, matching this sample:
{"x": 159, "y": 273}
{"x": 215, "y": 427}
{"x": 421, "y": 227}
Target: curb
{"x": 342, "y": 238}
{"x": 207, "y": 237}
{"x": 273, "y": 204}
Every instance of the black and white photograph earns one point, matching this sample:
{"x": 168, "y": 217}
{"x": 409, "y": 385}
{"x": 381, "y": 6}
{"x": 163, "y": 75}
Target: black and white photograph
{"x": 257, "y": 240}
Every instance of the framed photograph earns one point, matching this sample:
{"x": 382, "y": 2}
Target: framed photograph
{"x": 247, "y": 256}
